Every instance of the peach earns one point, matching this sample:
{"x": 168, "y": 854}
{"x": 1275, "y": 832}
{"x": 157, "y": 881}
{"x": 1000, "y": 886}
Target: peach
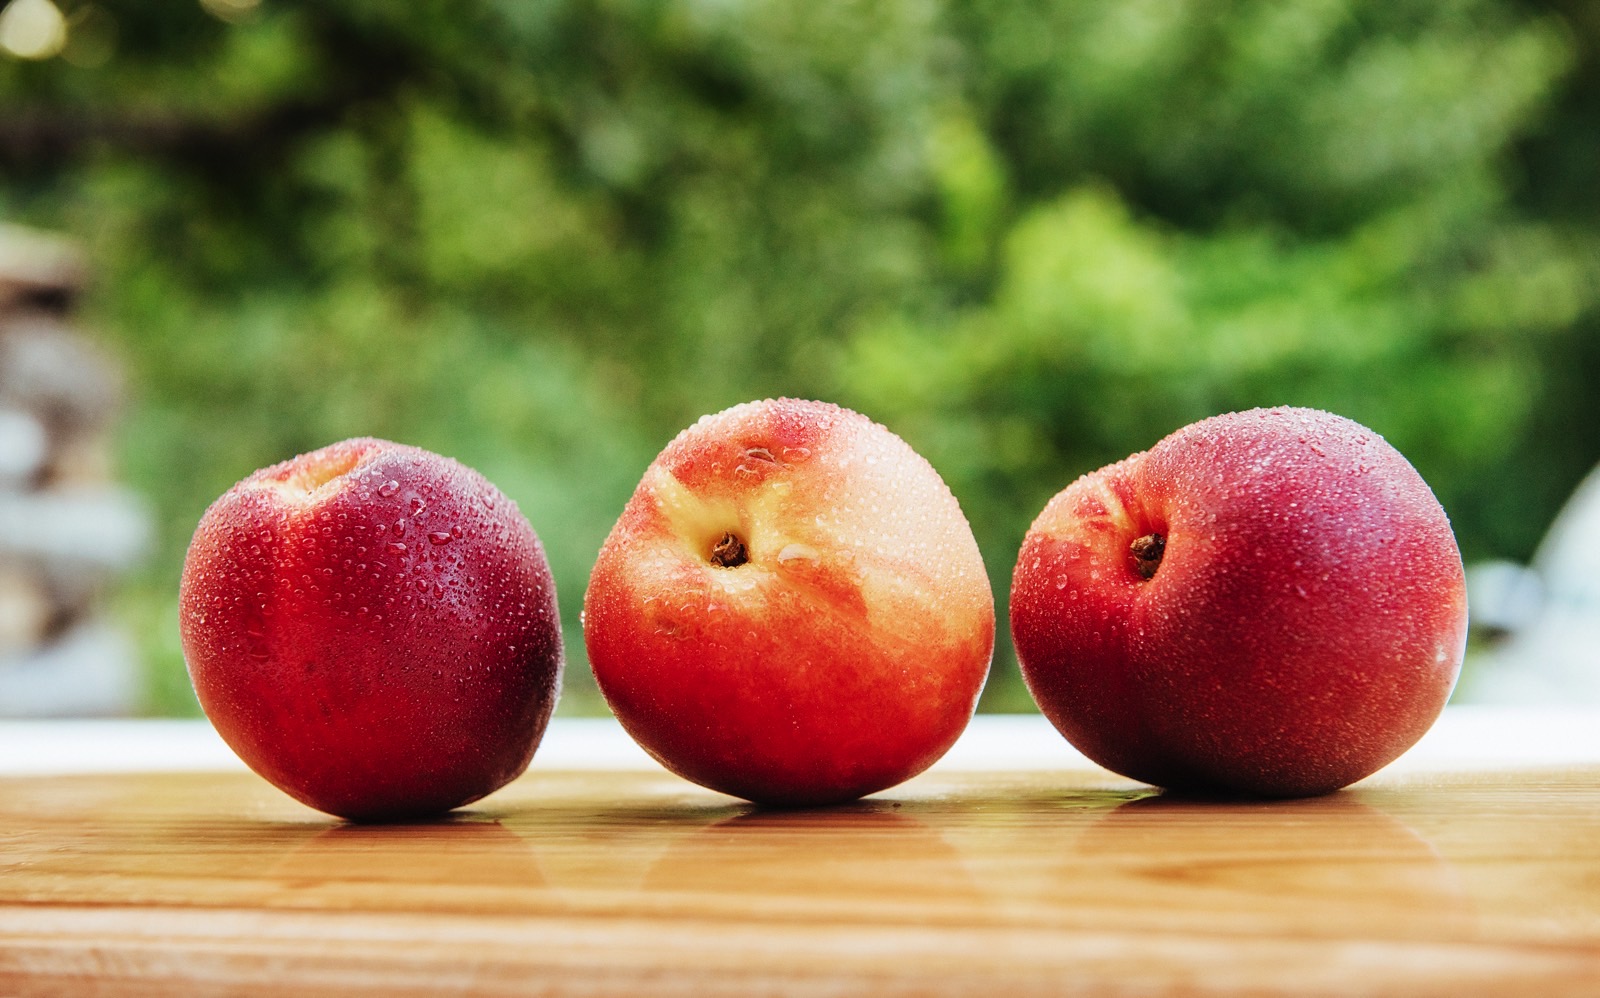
{"x": 1264, "y": 603}
{"x": 372, "y": 628}
{"x": 792, "y": 608}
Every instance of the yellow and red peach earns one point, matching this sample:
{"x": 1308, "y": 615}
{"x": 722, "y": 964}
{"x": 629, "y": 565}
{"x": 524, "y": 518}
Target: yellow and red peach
{"x": 792, "y": 608}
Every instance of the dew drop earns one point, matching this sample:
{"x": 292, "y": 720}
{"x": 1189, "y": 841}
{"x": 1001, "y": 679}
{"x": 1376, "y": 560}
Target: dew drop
{"x": 439, "y": 537}
{"x": 796, "y": 552}
{"x": 395, "y": 547}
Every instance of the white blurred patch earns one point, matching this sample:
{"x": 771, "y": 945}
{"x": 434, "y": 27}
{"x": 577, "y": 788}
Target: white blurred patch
{"x": 1542, "y": 623}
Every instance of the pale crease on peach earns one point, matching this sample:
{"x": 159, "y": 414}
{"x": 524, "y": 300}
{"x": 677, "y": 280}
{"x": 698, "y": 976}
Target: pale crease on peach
{"x": 311, "y": 484}
{"x": 1073, "y": 517}
{"x": 698, "y": 520}
{"x": 781, "y": 541}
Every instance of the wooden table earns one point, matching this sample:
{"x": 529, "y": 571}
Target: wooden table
{"x": 994, "y": 874}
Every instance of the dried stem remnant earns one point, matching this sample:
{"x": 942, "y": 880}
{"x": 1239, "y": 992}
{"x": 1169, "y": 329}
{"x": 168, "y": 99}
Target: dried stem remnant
{"x": 730, "y": 552}
{"x": 1147, "y": 551}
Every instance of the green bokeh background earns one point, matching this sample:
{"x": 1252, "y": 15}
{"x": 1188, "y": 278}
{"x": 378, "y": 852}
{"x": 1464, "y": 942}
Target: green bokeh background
{"x": 1029, "y": 237}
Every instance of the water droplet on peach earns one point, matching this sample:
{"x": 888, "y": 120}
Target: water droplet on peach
{"x": 796, "y": 552}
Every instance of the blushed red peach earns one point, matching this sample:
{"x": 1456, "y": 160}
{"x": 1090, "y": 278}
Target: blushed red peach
{"x": 372, "y": 627}
{"x": 1264, "y": 603}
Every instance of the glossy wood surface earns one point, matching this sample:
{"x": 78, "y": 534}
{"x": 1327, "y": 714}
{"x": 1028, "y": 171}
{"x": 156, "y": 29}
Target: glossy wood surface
{"x": 958, "y": 883}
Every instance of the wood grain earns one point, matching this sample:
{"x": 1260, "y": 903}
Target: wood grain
{"x": 965, "y": 883}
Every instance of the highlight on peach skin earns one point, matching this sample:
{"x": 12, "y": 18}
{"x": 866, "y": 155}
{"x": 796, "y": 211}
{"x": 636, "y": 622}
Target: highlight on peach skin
{"x": 791, "y": 608}
{"x": 372, "y": 628}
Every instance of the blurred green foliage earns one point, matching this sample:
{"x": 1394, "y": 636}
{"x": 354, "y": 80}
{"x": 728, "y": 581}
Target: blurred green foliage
{"x": 1030, "y": 237}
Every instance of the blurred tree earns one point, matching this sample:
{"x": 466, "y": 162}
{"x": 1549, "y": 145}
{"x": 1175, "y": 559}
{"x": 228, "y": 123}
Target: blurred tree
{"x": 1031, "y": 237}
